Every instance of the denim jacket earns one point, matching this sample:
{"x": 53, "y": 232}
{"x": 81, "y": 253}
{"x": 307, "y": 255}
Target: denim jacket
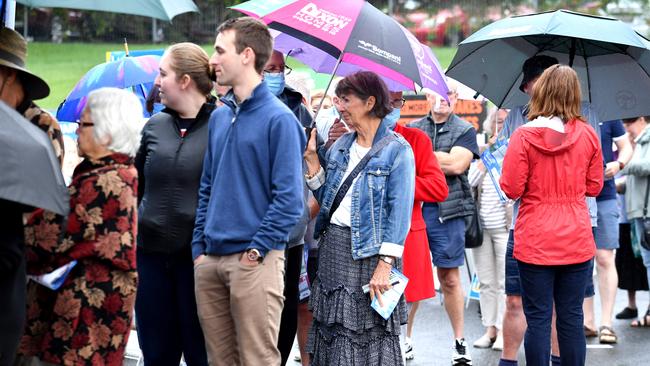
{"x": 382, "y": 197}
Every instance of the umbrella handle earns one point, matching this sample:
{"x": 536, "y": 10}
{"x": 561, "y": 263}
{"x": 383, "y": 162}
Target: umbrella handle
{"x": 329, "y": 83}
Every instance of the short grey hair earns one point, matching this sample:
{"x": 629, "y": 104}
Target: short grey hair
{"x": 117, "y": 115}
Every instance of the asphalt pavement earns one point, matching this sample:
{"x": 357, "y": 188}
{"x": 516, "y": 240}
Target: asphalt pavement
{"x": 433, "y": 337}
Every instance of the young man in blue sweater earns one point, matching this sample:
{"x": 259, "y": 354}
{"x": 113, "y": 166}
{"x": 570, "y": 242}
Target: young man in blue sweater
{"x": 249, "y": 199}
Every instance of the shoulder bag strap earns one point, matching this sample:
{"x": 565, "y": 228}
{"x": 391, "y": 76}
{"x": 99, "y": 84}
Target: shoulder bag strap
{"x": 343, "y": 190}
{"x": 645, "y": 202}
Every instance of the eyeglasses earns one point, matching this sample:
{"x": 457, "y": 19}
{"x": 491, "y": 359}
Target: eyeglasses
{"x": 397, "y": 103}
{"x": 276, "y": 69}
{"x": 84, "y": 123}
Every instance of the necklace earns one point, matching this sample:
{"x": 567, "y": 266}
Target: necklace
{"x": 356, "y": 150}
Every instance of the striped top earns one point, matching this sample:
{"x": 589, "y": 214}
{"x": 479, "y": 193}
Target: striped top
{"x": 491, "y": 210}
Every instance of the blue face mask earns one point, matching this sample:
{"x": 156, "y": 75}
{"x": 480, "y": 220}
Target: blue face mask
{"x": 393, "y": 117}
{"x": 275, "y": 82}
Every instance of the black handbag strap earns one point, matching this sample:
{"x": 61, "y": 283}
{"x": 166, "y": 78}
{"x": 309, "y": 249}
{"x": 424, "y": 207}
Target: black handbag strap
{"x": 347, "y": 183}
{"x": 645, "y": 202}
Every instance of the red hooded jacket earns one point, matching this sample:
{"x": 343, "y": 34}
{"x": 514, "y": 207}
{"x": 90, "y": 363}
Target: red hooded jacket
{"x": 552, "y": 166}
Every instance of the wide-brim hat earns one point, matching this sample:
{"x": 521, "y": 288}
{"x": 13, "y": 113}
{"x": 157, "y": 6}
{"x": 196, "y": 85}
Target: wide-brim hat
{"x": 13, "y": 54}
{"x": 534, "y": 67}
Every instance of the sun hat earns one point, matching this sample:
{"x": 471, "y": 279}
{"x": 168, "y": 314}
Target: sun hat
{"x": 13, "y": 54}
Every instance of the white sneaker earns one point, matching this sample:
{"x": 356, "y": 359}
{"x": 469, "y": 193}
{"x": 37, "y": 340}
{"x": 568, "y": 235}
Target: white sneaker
{"x": 498, "y": 344}
{"x": 460, "y": 356}
{"x": 409, "y": 353}
{"x": 484, "y": 342}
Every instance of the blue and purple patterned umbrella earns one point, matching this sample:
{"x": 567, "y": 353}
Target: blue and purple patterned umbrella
{"x": 137, "y": 73}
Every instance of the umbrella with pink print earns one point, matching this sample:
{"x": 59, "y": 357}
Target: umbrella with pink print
{"x": 342, "y": 37}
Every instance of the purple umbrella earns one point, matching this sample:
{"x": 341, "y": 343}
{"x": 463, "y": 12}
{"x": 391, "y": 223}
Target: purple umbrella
{"x": 342, "y": 37}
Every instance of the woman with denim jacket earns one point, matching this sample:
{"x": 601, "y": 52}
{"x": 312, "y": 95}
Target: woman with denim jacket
{"x": 362, "y": 239}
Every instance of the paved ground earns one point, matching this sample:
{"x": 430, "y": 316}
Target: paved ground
{"x": 433, "y": 338}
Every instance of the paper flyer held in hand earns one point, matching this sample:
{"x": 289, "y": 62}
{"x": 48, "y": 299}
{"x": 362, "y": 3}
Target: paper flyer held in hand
{"x": 54, "y": 279}
{"x": 493, "y": 160}
{"x": 391, "y": 297}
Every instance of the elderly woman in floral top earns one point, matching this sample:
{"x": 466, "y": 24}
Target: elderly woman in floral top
{"x": 87, "y": 320}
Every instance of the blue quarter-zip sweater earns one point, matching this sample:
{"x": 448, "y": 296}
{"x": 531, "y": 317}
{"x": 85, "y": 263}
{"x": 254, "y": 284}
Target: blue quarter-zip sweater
{"x": 252, "y": 182}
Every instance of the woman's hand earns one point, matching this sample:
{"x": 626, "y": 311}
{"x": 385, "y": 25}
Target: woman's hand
{"x": 380, "y": 281}
{"x": 311, "y": 154}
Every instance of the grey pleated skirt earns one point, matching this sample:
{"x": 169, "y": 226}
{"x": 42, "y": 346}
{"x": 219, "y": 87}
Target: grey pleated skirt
{"x": 346, "y": 331}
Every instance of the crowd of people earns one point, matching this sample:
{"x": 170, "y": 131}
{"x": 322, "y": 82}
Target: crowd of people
{"x": 196, "y": 226}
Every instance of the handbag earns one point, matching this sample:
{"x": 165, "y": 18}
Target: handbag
{"x": 473, "y": 228}
{"x": 645, "y": 240}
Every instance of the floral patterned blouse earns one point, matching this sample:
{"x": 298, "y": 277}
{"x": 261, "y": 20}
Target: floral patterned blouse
{"x": 87, "y": 320}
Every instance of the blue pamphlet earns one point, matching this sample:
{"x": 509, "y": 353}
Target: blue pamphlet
{"x": 391, "y": 297}
{"x": 493, "y": 160}
{"x": 54, "y": 279}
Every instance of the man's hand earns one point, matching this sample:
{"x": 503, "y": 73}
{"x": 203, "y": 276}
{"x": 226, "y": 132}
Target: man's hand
{"x": 198, "y": 260}
{"x": 337, "y": 130}
{"x": 380, "y": 281}
{"x": 611, "y": 169}
{"x": 247, "y": 262}
{"x": 492, "y": 140}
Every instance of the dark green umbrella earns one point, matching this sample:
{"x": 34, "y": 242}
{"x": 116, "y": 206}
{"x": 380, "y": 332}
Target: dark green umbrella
{"x": 611, "y": 59}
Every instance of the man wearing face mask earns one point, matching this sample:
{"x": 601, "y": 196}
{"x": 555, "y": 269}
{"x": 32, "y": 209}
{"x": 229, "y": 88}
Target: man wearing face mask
{"x": 274, "y": 77}
{"x": 455, "y": 146}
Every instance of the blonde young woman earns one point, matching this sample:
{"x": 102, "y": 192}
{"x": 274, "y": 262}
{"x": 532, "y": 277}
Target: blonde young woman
{"x": 169, "y": 165}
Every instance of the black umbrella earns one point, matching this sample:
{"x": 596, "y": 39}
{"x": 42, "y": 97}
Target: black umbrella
{"x": 30, "y": 173}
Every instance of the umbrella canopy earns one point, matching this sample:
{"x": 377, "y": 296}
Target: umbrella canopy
{"x": 611, "y": 59}
{"x": 345, "y": 37}
{"x": 137, "y": 72}
{"x": 160, "y": 9}
{"x": 31, "y": 174}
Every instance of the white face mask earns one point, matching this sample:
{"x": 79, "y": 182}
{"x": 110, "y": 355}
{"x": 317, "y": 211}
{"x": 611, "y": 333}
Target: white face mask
{"x": 437, "y": 107}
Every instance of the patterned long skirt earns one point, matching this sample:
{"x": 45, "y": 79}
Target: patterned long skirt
{"x": 346, "y": 331}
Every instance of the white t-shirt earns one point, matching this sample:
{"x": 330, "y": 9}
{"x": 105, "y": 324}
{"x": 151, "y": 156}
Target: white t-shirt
{"x": 342, "y": 215}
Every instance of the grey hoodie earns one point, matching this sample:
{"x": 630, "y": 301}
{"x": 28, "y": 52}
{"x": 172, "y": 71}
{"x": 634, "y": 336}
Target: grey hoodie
{"x": 638, "y": 175}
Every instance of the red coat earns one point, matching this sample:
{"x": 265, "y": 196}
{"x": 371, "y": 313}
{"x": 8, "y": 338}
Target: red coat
{"x": 430, "y": 186}
{"x": 552, "y": 172}
{"x": 430, "y": 183}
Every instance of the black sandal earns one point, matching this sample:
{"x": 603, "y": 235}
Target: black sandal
{"x": 627, "y": 313}
{"x": 643, "y": 322}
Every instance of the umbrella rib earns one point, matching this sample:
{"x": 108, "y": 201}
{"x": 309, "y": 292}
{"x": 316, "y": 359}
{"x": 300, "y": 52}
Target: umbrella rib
{"x": 307, "y": 38}
{"x": 638, "y": 63}
{"x": 584, "y": 55}
{"x": 451, "y": 67}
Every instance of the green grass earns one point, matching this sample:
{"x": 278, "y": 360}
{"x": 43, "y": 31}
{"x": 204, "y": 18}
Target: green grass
{"x": 62, "y": 65}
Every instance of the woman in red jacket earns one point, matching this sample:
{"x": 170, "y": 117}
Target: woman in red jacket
{"x": 430, "y": 186}
{"x": 551, "y": 164}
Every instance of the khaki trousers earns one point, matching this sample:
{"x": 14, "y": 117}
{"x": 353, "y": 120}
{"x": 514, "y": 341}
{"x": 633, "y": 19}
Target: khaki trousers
{"x": 239, "y": 308}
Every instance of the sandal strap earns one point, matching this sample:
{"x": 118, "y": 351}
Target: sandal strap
{"x": 608, "y": 331}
